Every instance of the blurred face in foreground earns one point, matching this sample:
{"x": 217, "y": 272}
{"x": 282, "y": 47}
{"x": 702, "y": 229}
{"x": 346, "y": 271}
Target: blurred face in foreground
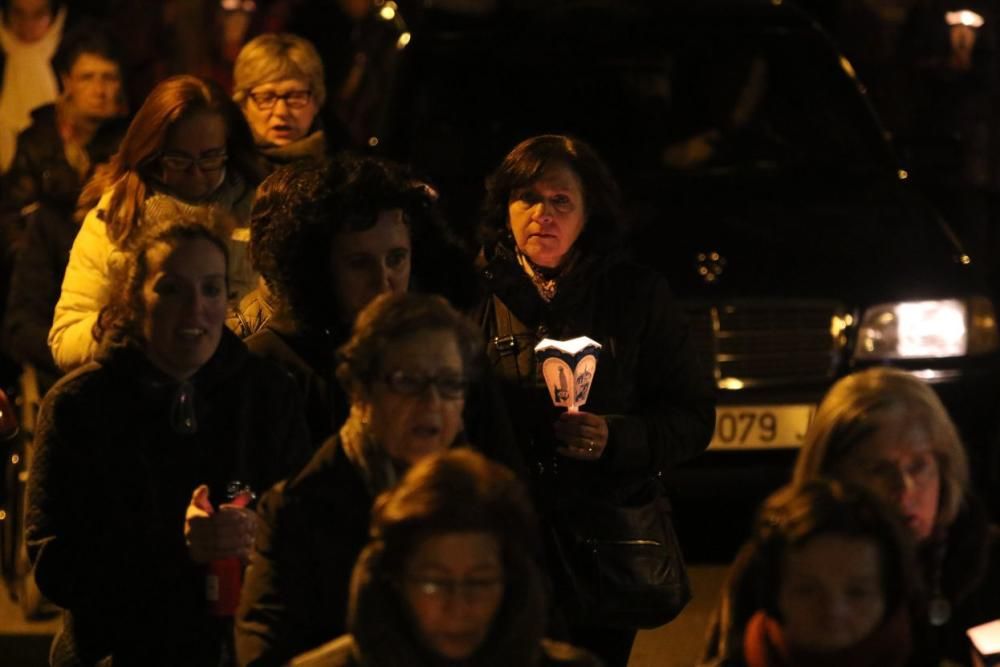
{"x": 453, "y": 585}
{"x": 831, "y": 593}
{"x": 898, "y": 463}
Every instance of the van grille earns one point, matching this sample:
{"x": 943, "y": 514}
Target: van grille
{"x": 768, "y": 343}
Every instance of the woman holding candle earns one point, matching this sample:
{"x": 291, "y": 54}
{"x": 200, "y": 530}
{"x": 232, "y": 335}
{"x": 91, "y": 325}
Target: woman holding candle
{"x": 553, "y": 266}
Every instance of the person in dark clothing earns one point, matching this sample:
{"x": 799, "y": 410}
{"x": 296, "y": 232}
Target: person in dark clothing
{"x": 828, "y": 577}
{"x": 132, "y": 450}
{"x": 552, "y": 268}
{"x": 888, "y": 431}
{"x": 449, "y": 575}
{"x": 405, "y": 370}
{"x": 54, "y": 158}
{"x": 327, "y": 237}
{"x": 57, "y": 152}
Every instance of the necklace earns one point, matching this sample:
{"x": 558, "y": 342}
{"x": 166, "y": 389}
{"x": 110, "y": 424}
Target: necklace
{"x": 546, "y": 287}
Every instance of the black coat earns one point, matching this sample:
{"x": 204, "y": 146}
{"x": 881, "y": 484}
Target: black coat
{"x": 40, "y": 171}
{"x": 110, "y": 482}
{"x": 309, "y": 355}
{"x": 970, "y": 581}
{"x": 311, "y": 530}
{"x": 34, "y": 290}
{"x": 659, "y": 405}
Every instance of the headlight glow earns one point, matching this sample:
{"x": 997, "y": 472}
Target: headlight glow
{"x": 927, "y": 329}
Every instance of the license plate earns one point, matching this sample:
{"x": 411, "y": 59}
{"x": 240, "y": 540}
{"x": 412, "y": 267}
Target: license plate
{"x": 761, "y": 426}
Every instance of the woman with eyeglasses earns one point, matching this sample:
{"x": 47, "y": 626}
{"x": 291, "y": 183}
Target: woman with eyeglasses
{"x": 449, "y": 576}
{"x": 278, "y": 84}
{"x": 187, "y": 149}
{"x": 405, "y": 370}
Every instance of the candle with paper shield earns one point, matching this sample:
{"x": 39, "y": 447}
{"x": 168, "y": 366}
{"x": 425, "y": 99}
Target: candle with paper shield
{"x": 568, "y": 367}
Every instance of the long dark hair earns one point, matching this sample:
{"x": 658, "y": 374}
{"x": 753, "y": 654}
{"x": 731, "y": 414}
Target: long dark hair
{"x": 527, "y": 162}
{"x": 129, "y": 170}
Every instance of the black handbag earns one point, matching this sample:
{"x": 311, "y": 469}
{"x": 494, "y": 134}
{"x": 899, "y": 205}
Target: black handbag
{"x": 615, "y": 565}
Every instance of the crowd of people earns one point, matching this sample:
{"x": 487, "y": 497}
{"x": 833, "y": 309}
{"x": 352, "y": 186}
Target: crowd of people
{"x": 287, "y": 419}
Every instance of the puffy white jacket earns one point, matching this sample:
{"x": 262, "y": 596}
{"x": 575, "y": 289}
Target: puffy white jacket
{"x": 86, "y": 288}
{"x": 95, "y": 263}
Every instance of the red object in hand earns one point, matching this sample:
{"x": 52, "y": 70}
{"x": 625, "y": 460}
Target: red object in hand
{"x": 224, "y": 577}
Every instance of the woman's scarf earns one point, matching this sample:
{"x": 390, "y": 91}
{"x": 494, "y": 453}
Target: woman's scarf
{"x": 311, "y": 146}
{"x": 28, "y": 82}
{"x": 367, "y": 456}
{"x": 546, "y": 281}
{"x": 889, "y": 645}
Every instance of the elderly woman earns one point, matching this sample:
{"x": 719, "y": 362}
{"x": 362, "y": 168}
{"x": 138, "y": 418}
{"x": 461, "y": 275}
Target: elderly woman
{"x": 136, "y": 455}
{"x": 553, "y": 267}
{"x": 278, "y": 83}
{"x": 449, "y": 576}
{"x": 405, "y": 370}
{"x": 888, "y": 431}
{"x": 187, "y": 150}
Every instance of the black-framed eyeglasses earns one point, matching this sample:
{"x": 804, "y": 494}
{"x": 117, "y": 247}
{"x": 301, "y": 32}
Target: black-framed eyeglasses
{"x": 179, "y": 162}
{"x": 449, "y": 385}
{"x": 294, "y": 99}
{"x": 471, "y": 590}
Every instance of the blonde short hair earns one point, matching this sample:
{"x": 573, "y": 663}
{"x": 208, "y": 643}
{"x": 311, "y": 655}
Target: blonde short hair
{"x": 861, "y": 404}
{"x": 274, "y": 57}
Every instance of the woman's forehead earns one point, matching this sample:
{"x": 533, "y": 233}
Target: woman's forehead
{"x": 898, "y": 436}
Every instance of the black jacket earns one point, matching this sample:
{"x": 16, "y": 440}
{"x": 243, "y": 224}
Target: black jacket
{"x": 110, "y": 482}
{"x": 40, "y": 171}
{"x": 970, "y": 581}
{"x": 311, "y": 530}
{"x": 309, "y": 355}
{"x": 659, "y": 405}
{"x": 34, "y": 290}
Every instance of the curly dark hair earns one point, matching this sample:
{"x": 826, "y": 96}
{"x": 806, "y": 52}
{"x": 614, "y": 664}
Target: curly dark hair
{"x": 120, "y": 321}
{"x": 527, "y": 162}
{"x": 299, "y": 210}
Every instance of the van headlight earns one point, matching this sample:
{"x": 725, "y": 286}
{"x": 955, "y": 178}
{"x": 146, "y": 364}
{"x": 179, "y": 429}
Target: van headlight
{"x": 927, "y": 329}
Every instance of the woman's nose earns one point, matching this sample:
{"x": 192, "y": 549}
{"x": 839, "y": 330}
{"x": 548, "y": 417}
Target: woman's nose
{"x": 540, "y": 211}
{"x": 382, "y": 279}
